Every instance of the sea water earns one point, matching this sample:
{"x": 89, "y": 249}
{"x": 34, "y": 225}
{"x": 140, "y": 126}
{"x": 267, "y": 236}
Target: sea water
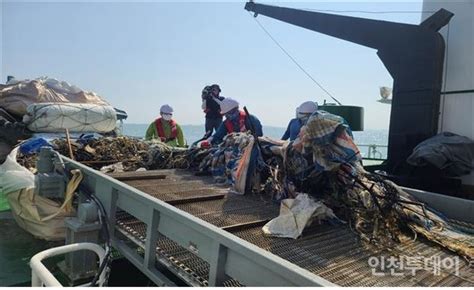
{"x": 363, "y": 139}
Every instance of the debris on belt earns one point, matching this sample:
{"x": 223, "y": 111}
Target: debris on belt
{"x": 295, "y": 215}
{"x": 323, "y": 162}
{"x": 133, "y": 153}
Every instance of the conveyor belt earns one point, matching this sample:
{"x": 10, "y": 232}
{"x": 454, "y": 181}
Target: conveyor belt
{"x": 333, "y": 252}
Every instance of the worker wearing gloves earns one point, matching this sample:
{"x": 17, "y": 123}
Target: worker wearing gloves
{"x": 210, "y": 98}
{"x": 166, "y": 129}
{"x": 235, "y": 121}
{"x": 303, "y": 112}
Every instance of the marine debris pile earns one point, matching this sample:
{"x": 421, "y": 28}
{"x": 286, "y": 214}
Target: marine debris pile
{"x": 50, "y": 105}
{"x": 49, "y": 108}
{"x": 378, "y": 210}
{"x": 131, "y": 153}
{"x": 323, "y": 163}
{"x": 230, "y": 162}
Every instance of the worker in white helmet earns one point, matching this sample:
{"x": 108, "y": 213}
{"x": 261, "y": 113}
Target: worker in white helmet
{"x": 303, "y": 112}
{"x": 235, "y": 121}
{"x": 166, "y": 129}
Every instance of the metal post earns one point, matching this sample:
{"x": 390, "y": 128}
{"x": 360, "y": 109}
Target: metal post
{"x": 151, "y": 239}
{"x": 217, "y": 266}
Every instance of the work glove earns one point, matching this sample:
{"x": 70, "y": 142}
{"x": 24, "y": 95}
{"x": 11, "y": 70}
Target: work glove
{"x": 205, "y": 144}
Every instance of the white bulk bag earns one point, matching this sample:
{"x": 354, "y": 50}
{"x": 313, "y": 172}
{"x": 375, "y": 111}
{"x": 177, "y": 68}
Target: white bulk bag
{"x": 55, "y": 117}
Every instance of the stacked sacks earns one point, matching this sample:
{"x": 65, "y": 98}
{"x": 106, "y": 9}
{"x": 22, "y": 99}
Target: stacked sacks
{"x": 56, "y": 117}
{"x": 17, "y": 96}
{"x": 49, "y": 105}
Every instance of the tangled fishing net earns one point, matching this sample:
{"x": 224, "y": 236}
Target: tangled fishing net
{"x": 132, "y": 153}
{"x": 323, "y": 162}
{"x": 232, "y": 161}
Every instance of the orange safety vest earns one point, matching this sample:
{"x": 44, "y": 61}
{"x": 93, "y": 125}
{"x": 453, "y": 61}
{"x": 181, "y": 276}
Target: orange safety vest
{"x": 230, "y": 126}
{"x": 161, "y": 131}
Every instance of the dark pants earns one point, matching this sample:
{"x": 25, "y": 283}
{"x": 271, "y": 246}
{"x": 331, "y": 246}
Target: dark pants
{"x": 212, "y": 124}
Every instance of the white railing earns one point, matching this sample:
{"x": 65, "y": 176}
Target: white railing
{"x": 373, "y": 151}
{"x": 40, "y": 275}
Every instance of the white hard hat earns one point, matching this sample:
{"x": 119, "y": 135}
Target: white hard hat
{"x": 308, "y": 107}
{"x": 166, "y": 109}
{"x": 228, "y": 104}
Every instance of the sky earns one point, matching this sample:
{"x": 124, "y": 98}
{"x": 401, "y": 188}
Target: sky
{"x": 140, "y": 55}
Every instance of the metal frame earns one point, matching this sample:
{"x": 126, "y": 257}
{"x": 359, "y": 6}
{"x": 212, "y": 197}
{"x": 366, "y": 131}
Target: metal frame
{"x": 453, "y": 207}
{"x": 228, "y": 255}
{"x": 412, "y": 54}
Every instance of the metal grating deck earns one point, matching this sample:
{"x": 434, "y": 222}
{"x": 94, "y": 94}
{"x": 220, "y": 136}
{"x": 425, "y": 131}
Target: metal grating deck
{"x": 332, "y": 252}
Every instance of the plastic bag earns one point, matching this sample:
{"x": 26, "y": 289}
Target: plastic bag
{"x": 43, "y": 217}
{"x": 17, "y": 95}
{"x": 13, "y": 176}
{"x": 56, "y": 117}
{"x": 113, "y": 168}
{"x": 295, "y": 215}
{"x": 4, "y": 206}
{"x": 33, "y": 145}
{"x": 60, "y": 86}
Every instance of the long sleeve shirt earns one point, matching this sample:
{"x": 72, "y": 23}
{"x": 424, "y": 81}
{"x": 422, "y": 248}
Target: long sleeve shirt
{"x": 293, "y": 129}
{"x": 152, "y": 133}
{"x": 211, "y": 107}
{"x": 222, "y": 130}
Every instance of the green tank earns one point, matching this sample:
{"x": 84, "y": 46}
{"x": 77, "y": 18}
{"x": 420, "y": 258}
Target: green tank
{"x": 354, "y": 115}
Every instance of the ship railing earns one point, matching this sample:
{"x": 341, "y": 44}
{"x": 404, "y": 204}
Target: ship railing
{"x": 373, "y": 151}
{"x": 41, "y": 276}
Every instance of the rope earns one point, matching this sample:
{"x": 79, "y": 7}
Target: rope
{"x": 71, "y": 188}
{"x": 369, "y": 12}
{"x": 294, "y": 60}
